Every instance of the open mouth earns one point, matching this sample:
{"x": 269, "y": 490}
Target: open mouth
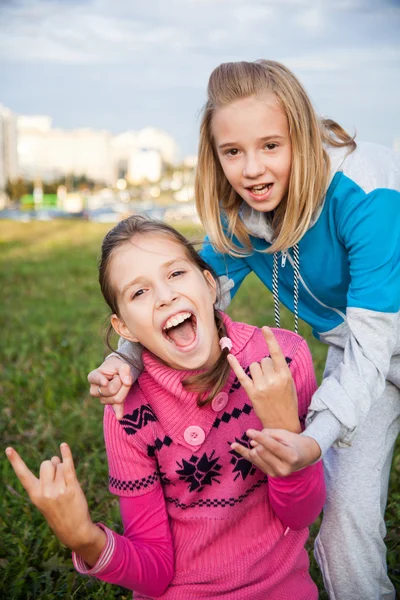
{"x": 258, "y": 190}
{"x": 180, "y": 329}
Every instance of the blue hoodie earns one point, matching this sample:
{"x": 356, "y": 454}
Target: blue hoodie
{"x": 349, "y": 284}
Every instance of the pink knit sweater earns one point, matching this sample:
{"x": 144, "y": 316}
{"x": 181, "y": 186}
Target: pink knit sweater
{"x": 199, "y": 520}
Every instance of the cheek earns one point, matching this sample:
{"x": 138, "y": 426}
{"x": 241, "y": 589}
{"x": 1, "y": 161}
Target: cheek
{"x": 231, "y": 172}
{"x": 228, "y": 167}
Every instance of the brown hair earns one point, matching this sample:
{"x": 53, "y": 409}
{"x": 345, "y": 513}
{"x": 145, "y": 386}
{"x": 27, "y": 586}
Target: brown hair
{"x": 207, "y": 384}
{"x": 310, "y": 162}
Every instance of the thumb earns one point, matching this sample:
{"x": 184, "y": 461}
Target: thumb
{"x": 124, "y": 372}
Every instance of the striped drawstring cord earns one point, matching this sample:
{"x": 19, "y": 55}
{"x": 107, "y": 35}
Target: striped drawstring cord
{"x": 275, "y": 287}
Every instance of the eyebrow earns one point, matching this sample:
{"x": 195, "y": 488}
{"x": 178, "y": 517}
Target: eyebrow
{"x": 267, "y": 138}
{"x": 165, "y": 265}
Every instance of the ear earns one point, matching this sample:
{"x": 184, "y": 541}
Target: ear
{"x": 122, "y": 330}
{"x": 212, "y": 284}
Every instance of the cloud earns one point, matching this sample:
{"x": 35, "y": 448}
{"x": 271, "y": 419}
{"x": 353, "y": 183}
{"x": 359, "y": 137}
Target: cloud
{"x": 109, "y": 64}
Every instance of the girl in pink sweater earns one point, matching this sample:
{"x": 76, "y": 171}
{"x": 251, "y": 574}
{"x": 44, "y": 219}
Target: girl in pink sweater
{"x": 200, "y": 520}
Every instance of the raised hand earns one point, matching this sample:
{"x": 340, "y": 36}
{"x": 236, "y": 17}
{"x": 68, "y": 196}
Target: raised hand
{"x": 278, "y": 452}
{"x": 111, "y": 382}
{"x": 59, "y": 497}
{"x": 271, "y": 388}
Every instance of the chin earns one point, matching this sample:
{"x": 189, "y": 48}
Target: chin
{"x": 188, "y": 363}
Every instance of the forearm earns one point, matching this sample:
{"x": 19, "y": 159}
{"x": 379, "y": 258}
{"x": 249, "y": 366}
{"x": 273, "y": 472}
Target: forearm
{"x": 142, "y": 559}
{"x": 144, "y": 568}
{"x": 298, "y": 498}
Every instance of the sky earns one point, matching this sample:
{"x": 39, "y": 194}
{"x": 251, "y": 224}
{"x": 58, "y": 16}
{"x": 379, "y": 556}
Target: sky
{"x": 127, "y": 64}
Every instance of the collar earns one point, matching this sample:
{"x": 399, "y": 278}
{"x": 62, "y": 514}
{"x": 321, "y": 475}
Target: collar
{"x": 175, "y": 407}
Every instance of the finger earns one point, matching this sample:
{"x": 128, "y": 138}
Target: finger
{"x": 114, "y": 391}
{"x": 124, "y": 372}
{"x": 253, "y": 456}
{"x": 118, "y": 399}
{"x": 60, "y": 478}
{"x": 240, "y": 449}
{"x": 121, "y": 393}
{"x": 257, "y": 375}
{"x": 109, "y": 390}
{"x": 118, "y": 411}
{"x": 68, "y": 464}
{"x": 267, "y": 366}
{"x": 96, "y": 378}
{"x": 55, "y": 460}
{"x": 275, "y": 351}
{"x": 26, "y": 477}
{"x": 281, "y": 435}
{"x": 275, "y": 447}
{"x": 239, "y": 372}
{"x": 47, "y": 473}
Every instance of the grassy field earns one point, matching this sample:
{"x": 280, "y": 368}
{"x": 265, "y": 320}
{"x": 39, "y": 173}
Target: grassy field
{"x": 52, "y": 319}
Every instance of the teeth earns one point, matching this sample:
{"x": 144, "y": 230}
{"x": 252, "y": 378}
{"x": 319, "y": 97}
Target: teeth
{"x": 260, "y": 188}
{"x": 176, "y": 319}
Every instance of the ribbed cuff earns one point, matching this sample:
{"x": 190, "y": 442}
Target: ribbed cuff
{"x": 104, "y": 558}
{"x": 325, "y": 429}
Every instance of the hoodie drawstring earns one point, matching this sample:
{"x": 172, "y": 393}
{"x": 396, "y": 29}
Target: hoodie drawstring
{"x": 275, "y": 287}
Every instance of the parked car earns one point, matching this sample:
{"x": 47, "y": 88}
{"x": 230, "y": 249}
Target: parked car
{"x": 24, "y": 216}
{"x": 105, "y": 214}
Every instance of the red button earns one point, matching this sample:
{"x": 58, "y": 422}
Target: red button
{"x": 220, "y": 401}
{"x": 194, "y": 435}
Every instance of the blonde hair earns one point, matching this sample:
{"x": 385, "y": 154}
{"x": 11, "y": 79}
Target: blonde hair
{"x": 217, "y": 202}
{"x": 207, "y": 384}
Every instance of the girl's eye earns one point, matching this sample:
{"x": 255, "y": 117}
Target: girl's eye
{"x": 177, "y": 273}
{"x": 137, "y": 294}
{"x": 232, "y": 152}
{"x": 271, "y": 146}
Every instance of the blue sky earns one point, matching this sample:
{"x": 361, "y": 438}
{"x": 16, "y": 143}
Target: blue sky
{"x": 127, "y": 64}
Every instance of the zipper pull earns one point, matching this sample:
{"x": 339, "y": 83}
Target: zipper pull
{"x": 284, "y": 257}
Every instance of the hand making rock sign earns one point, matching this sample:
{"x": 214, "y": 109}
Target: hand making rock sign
{"x": 278, "y": 449}
{"x": 58, "y": 495}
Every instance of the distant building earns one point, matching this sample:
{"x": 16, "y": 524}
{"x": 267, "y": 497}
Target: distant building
{"x": 140, "y": 156}
{"x": 8, "y": 147}
{"x": 145, "y": 164}
{"x": 47, "y": 153}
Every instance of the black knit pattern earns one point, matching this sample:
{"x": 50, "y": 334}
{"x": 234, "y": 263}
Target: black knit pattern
{"x": 235, "y": 414}
{"x": 216, "y": 502}
{"x": 158, "y": 444}
{"x": 136, "y": 485}
{"x": 139, "y": 418}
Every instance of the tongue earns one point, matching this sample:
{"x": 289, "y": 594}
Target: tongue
{"x": 183, "y": 334}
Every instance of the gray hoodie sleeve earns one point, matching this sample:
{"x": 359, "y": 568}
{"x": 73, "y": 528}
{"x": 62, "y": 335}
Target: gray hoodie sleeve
{"x": 365, "y": 349}
{"x": 355, "y": 376}
{"x": 132, "y": 351}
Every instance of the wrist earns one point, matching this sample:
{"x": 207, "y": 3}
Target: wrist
{"x": 313, "y": 451}
{"x": 91, "y": 544}
{"x": 292, "y": 426}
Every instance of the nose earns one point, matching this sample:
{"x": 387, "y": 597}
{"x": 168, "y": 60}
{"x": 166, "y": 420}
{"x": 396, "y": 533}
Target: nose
{"x": 253, "y": 166}
{"x": 166, "y": 295}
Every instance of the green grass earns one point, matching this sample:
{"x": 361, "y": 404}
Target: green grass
{"x": 51, "y": 320}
